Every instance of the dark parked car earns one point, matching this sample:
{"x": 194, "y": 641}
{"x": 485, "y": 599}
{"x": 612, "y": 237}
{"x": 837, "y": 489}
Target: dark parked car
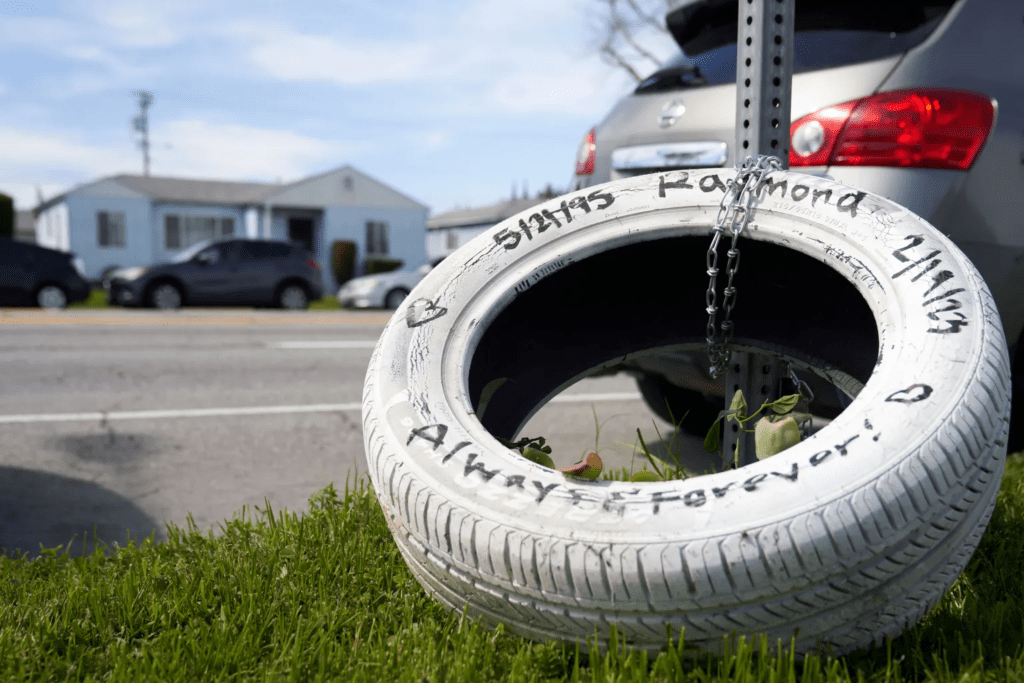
{"x": 31, "y": 275}
{"x": 236, "y": 272}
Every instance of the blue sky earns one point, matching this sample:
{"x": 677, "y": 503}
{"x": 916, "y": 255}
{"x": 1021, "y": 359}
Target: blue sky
{"x": 449, "y": 101}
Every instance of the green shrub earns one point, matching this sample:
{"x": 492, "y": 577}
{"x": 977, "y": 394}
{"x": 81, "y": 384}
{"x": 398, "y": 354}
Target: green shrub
{"x": 6, "y": 216}
{"x": 382, "y": 265}
{"x": 343, "y": 260}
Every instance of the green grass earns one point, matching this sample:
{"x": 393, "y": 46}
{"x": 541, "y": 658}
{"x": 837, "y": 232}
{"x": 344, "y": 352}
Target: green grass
{"x": 326, "y": 596}
{"x": 97, "y": 299}
{"x": 327, "y": 303}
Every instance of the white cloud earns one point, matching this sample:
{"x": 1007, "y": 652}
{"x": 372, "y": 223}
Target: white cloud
{"x": 142, "y": 24}
{"x": 201, "y": 149}
{"x": 292, "y": 56}
{"x": 486, "y": 50}
{"x": 54, "y": 161}
{"x": 59, "y": 151}
{"x": 433, "y": 140}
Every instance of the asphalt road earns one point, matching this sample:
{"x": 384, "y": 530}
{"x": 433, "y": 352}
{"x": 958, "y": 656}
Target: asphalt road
{"x": 118, "y": 422}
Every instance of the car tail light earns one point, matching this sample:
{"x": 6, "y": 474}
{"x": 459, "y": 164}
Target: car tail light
{"x": 312, "y": 264}
{"x": 586, "y": 154}
{"x": 920, "y": 128}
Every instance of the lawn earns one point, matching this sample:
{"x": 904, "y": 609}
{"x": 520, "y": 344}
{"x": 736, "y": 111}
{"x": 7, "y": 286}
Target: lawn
{"x": 98, "y": 299}
{"x": 326, "y": 596}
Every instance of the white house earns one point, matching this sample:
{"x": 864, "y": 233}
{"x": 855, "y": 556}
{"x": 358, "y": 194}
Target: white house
{"x": 130, "y": 220}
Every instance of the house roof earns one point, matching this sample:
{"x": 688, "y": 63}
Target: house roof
{"x": 313, "y": 191}
{"x": 197, "y": 191}
{"x": 482, "y": 215}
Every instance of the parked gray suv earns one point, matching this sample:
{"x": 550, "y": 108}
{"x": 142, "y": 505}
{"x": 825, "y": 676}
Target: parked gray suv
{"x": 236, "y": 272}
{"x": 920, "y": 101}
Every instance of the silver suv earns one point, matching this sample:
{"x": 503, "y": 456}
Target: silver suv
{"x": 921, "y": 101}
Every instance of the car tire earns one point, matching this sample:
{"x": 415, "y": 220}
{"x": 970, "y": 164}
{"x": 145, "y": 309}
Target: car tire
{"x": 394, "y": 298}
{"x": 839, "y": 542}
{"x": 166, "y": 296}
{"x": 293, "y": 297}
{"x": 51, "y": 297}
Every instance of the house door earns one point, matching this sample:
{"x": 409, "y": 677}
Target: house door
{"x": 300, "y": 230}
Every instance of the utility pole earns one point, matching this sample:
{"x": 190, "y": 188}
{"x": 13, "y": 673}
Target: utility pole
{"x": 140, "y": 123}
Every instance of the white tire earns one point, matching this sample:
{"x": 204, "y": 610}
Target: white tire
{"x": 844, "y": 539}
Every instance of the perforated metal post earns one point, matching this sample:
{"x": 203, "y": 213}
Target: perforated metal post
{"x": 764, "y": 78}
{"x": 758, "y": 375}
{"x": 764, "y": 83}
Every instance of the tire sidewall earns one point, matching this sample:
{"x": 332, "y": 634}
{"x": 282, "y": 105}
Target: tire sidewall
{"x": 41, "y": 295}
{"x": 933, "y": 322}
{"x": 285, "y": 298}
{"x": 158, "y": 301}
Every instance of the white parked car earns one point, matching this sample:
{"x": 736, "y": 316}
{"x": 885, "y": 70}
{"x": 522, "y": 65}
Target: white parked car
{"x": 383, "y": 290}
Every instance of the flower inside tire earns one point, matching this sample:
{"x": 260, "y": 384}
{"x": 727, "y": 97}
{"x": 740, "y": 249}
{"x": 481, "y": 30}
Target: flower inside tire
{"x": 842, "y": 540}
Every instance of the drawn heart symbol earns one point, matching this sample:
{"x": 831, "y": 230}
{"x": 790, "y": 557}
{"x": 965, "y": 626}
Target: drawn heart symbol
{"x": 422, "y": 311}
{"x": 912, "y": 394}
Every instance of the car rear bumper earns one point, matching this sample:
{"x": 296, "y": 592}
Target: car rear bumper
{"x": 357, "y": 302}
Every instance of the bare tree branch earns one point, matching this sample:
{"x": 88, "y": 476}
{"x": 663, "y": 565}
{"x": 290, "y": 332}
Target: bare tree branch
{"x": 651, "y": 19}
{"x": 610, "y": 52}
{"x": 624, "y": 30}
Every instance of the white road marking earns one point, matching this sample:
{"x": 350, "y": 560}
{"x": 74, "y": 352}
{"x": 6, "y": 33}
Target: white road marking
{"x": 196, "y": 412}
{"x": 326, "y": 344}
{"x": 253, "y": 410}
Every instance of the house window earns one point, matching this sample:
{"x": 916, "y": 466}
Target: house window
{"x": 110, "y": 228}
{"x": 452, "y": 238}
{"x": 172, "y": 233}
{"x": 376, "y": 238}
{"x": 181, "y": 232}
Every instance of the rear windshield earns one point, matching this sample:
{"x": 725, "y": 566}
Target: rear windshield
{"x": 826, "y": 34}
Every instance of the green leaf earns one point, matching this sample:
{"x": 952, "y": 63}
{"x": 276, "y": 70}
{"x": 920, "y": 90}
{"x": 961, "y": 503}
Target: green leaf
{"x": 539, "y": 457}
{"x": 645, "y": 475}
{"x": 713, "y": 440}
{"x": 486, "y": 394}
{"x": 771, "y": 437}
{"x": 785, "y": 404}
{"x": 738, "y": 406}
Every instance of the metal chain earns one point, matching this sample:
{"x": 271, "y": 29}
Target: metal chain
{"x": 733, "y": 215}
{"x": 805, "y": 391}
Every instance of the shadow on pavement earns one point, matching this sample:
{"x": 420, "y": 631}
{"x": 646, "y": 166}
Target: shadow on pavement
{"x": 50, "y": 510}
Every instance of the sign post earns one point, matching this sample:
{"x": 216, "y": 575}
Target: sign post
{"x": 764, "y": 83}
